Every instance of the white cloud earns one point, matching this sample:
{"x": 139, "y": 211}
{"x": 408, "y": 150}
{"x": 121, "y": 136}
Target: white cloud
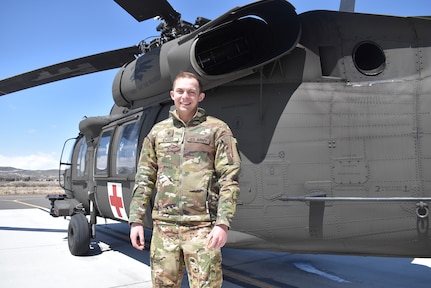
{"x": 39, "y": 161}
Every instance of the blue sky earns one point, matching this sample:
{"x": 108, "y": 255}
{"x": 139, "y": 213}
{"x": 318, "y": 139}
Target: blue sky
{"x": 36, "y": 122}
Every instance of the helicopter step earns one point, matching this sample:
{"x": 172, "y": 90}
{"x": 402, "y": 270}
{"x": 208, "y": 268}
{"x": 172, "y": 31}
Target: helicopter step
{"x": 61, "y": 205}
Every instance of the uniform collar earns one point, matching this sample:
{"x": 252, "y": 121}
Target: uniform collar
{"x": 199, "y": 117}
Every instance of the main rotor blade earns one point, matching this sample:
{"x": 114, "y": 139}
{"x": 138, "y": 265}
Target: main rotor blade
{"x": 145, "y": 9}
{"x": 77, "y": 67}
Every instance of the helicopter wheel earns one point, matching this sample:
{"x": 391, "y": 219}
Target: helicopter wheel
{"x": 78, "y": 235}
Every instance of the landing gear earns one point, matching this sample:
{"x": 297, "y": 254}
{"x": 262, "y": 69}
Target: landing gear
{"x": 78, "y": 235}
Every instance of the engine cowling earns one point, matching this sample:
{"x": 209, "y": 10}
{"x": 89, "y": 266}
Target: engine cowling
{"x": 227, "y": 48}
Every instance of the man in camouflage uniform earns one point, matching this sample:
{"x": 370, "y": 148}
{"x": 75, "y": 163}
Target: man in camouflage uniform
{"x": 193, "y": 162}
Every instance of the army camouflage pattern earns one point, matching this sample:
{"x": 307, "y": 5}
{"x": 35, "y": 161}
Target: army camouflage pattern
{"x": 167, "y": 266}
{"x": 195, "y": 169}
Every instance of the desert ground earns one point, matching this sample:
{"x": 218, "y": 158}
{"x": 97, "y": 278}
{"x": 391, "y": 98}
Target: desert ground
{"x": 30, "y": 187}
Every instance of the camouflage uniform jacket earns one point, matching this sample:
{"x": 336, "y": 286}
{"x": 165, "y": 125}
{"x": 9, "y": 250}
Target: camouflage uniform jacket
{"x": 195, "y": 169}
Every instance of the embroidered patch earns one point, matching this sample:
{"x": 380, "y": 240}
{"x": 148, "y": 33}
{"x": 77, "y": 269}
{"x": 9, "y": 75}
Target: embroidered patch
{"x": 199, "y": 140}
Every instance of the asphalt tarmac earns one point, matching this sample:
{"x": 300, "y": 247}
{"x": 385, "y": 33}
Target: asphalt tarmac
{"x": 34, "y": 253}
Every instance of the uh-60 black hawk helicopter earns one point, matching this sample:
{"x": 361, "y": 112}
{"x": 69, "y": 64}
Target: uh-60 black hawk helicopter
{"x": 331, "y": 109}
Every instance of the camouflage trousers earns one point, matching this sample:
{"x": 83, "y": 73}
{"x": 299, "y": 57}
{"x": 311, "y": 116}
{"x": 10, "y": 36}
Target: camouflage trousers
{"x": 175, "y": 247}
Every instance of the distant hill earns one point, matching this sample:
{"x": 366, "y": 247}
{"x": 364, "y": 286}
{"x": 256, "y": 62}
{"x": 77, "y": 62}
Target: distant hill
{"x": 15, "y": 174}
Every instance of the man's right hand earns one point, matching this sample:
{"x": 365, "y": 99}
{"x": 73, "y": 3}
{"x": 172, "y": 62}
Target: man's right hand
{"x": 137, "y": 236}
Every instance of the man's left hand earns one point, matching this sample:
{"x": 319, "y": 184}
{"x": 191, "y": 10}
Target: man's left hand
{"x": 217, "y": 237}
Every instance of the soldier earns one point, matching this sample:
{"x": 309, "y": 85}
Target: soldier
{"x": 192, "y": 161}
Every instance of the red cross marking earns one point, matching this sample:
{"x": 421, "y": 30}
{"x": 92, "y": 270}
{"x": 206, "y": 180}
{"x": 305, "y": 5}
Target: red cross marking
{"x": 116, "y": 201}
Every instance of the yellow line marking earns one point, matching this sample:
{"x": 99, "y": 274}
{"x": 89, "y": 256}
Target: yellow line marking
{"x": 28, "y": 204}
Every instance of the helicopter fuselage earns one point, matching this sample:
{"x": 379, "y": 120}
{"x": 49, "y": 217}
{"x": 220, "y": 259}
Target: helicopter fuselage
{"x": 334, "y": 134}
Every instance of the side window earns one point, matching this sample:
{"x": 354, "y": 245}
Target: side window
{"x": 126, "y": 154}
{"x": 102, "y": 153}
{"x": 80, "y": 161}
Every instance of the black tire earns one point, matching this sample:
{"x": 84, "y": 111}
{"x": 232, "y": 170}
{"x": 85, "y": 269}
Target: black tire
{"x": 78, "y": 235}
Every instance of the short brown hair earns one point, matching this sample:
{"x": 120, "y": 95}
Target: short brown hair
{"x": 184, "y": 74}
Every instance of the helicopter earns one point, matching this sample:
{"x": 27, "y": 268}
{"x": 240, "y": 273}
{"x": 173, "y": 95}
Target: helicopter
{"x": 331, "y": 110}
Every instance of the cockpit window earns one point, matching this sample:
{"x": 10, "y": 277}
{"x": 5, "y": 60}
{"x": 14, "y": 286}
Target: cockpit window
{"x": 126, "y": 151}
{"x": 102, "y": 153}
{"x": 80, "y": 161}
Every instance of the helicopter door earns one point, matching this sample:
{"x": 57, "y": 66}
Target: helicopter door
{"x": 115, "y": 166}
{"x": 71, "y": 167}
{"x": 77, "y": 175}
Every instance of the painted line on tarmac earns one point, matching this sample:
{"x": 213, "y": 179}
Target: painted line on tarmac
{"x": 422, "y": 261}
{"x": 30, "y": 205}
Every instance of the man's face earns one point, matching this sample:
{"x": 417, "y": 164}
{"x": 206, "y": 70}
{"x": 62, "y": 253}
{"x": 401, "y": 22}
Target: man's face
{"x": 186, "y": 96}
